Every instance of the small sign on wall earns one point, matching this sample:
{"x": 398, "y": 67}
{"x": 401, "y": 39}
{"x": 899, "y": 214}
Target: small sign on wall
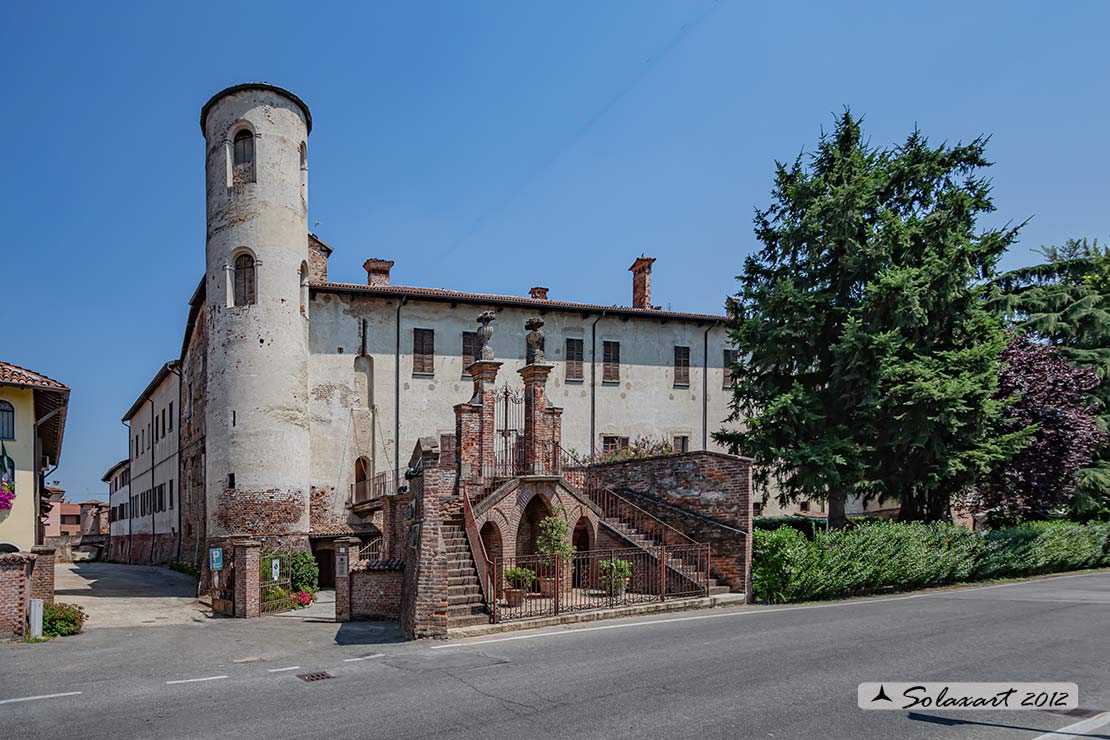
{"x": 341, "y": 560}
{"x": 216, "y": 559}
{"x": 275, "y": 569}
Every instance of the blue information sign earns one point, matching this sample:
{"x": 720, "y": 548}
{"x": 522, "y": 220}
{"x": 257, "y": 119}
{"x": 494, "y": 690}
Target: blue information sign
{"x": 216, "y": 558}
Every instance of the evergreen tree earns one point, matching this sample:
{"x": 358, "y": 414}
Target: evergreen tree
{"x": 1065, "y": 302}
{"x": 867, "y": 360}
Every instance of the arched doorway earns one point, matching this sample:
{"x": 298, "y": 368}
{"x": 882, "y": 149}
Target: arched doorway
{"x": 491, "y": 540}
{"x": 529, "y": 527}
{"x": 362, "y": 478}
{"x": 582, "y": 540}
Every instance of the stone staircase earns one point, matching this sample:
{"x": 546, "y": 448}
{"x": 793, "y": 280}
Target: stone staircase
{"x": 676, "y": 565}
{"x": 464, "y": 595}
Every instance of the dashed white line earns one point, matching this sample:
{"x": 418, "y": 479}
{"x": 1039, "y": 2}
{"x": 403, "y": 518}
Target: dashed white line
{"x": 279, "y": 670}
{"x": 364, "y": 657}
{"x": 36, "y": 698}
{"x": 195, "y": 680}
{"x": 1078, "y": 729}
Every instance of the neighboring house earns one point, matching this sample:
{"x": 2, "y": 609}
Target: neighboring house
{"x": 149, "y": 524}
{"x": 64, "y": 519}
{"x": 32, "y": 423}
{"x": 298, "y": 390}
{"x": 118, "y": 478}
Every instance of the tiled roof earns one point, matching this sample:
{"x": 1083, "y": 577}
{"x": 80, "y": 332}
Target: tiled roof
{"x": 14, "y": 375}
{"x": 540, "y": 304}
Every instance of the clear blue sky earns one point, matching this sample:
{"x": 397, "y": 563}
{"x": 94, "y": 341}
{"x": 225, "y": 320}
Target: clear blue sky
{"x": 492, "y": 147}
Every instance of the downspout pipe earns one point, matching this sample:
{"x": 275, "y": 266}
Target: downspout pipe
{"x": 593, "y": 384}
{"x": 705, "y": 386}
{"x": 397, "y": 389}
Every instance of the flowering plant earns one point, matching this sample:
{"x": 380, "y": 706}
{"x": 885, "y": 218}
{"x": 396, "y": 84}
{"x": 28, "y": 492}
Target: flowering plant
{"x": 301, "y": 598}
{"x": 7, "y": 494}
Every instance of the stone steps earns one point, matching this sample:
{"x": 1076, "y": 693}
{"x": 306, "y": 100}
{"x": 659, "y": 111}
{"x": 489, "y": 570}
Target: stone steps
{"x": 464, "y": 594}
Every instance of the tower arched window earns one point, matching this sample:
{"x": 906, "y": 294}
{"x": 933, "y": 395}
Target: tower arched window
{"x": 242, "y": 156}
{"x": 7, "y": 420}
{"x": 244, "y": 280}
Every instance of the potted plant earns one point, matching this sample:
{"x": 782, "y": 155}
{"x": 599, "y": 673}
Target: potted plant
{"x": 520, "y": 579}
{"x": 614, "y": 576}
{"x": 554, "y": 541}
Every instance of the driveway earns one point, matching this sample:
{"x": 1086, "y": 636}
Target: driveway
{"x": 116, "y": 595}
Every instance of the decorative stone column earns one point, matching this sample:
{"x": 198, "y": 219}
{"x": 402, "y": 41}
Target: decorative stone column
{"x": 346, "y": 556}
{"x": 540, "y": 447}
{"x": 474, "y": 422}
{"x": 248, "y": 600}
{"x": 42, "y": 577}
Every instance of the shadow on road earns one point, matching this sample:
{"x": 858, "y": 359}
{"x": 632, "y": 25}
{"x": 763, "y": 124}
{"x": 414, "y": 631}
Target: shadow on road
{"x": 950, "y": 722}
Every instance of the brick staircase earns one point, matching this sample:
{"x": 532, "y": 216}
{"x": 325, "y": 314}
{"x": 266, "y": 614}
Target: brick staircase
{"x": 464, "y": 595}
{"x": 637, "y": 538}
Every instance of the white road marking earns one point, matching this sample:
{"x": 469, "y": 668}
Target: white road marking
{"x": 36, "y": 698}
{"x": 365, "y": 657}
{"x": 279, "y": 670}
{"x": 720, "y": 615}
{"x": 1076, "y": 730}
{"x": 194, "y": 680}
{"x": 1006, "y": 585}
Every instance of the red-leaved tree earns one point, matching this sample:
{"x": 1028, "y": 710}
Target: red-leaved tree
{"x": 1054, "y": 395}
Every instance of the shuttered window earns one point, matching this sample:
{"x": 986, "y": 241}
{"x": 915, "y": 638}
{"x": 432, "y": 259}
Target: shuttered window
{"x": 730, "y": 356}
{"x": 7, "y": 420}
{"x": 469, "y": 349}
{"x": 423, "y": 351}
{"x": 574, "y": 359}
{"x": 611, "y": 365}
{"x": 681, "y": 365}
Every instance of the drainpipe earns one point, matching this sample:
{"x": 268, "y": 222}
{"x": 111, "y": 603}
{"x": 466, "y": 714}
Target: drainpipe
{"x": 705, "y": 386}
{"x": 593, "y": 384}
{"x": 177, "y": 431}
{"x": 130, "y": 512}
{"x": 397, "y": 389}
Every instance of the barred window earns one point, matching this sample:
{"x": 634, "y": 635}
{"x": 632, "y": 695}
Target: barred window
{"x": 730, "y": 357}
{"x": 423, "y": 351}
{"x": 7, "y": 420}
{"x": 574, "y": 359}
{"x": 611, "y": 362}
{"x": 469, "y": 348}
{"x": 244, "y": 280}
{"x": 681, "y": 365}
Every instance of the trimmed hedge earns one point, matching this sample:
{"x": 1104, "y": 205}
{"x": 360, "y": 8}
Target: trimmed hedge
{"x": 882, "y": 557}
{"x": 61, "y": 620}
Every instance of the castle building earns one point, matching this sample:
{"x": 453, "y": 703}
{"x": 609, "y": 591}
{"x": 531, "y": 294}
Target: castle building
{"x": 298, "y": 393}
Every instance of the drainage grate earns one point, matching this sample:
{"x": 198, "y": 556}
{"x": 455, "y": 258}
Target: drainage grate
{"x": 319, "y": 676}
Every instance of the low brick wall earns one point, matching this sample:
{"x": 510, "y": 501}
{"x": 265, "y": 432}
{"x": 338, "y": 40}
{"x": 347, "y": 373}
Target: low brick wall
{"x": 15, "y": 593}
{"x": 376, "y": 590}
{"x": 42, "y": 574}
{"x": 705, "y": 495}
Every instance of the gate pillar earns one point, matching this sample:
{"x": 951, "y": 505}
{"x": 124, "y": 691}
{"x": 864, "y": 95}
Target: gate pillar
{"x": 541, "y": 432}
{"x": 346, "y": 556}
{"x": 248, "y": 596}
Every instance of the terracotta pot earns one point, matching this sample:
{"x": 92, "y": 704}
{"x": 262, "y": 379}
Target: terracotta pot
{"x": 514, "y": 597}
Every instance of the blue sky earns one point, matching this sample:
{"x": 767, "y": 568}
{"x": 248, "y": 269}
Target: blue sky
{"x": 492, "y": 147}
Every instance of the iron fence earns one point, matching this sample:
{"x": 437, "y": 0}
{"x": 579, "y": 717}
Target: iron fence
{"x": 533, "y": 586}
{"x": 275, "y": 581}
{"x": 385, "y": 483}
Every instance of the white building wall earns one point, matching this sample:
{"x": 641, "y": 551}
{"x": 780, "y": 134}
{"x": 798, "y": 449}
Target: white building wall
{"x": 155, "y": 462}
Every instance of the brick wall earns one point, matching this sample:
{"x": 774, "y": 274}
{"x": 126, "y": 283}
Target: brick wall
{"x": 42, "y": 575}
{"x": 424, "y": 589}
{"x": 376, "y": 590}
{"x": 705, "y": 495}
{"x": 15, "y": 593}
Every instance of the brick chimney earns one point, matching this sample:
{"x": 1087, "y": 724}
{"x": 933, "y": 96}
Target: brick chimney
{"x": 641, "y": 281}
{"x": 540, "y": 294}
{"x": 377, "y": 272}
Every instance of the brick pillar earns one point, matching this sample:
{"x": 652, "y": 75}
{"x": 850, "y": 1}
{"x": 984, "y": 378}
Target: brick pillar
{"x": 15, "y": 593}
{"x": 474, "y": 424}
{"x": 248, "y": 600}
{"x": 346, "y": 555}
{"x": 42, "y": 577}
{"x": 424, "y": 591}
{"x": 538, "y": 451}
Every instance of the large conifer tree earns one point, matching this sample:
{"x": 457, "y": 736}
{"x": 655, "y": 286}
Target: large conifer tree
{"x": 867, "y": 360}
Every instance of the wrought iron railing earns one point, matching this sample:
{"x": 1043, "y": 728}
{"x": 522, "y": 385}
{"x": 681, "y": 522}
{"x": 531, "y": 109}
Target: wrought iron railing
{"x": 385, "y": 483}
{"x": 477, "y": 549}
{"x": 372, "y": 550}
{"x": 534, "y": 586}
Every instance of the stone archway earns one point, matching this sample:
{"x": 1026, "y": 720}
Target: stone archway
{"x": 529, "y": 527}
{"x": 582, "y": 538}
{"x": 491, "y": 541}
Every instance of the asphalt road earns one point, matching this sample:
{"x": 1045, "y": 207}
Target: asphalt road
{"x": 751, "y": 672}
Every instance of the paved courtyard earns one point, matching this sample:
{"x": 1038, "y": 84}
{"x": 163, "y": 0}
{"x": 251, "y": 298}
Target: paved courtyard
{"x": 116, "y": 595}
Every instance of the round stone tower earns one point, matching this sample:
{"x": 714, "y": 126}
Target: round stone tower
{"x": 256, "y": 295}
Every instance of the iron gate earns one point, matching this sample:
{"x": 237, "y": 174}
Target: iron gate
{"x": 508, "y": 437}
{"x": 275, "y": 582}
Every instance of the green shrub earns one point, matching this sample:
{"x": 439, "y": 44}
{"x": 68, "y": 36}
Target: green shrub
{"x": 304, "y": 572}
{"x": 60, "y": 620}
{"x": 274, "y": 593}
{"x": 1044, "y": 547}
{"x": 520, "y": 577}
{"x": 614, "y": 574}
{"x": 187, "y": 568}
{"x": 806, "y": 525}
{"x": 554, "y": 536}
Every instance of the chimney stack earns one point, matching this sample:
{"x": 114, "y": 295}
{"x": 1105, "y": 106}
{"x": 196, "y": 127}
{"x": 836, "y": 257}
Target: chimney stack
{"x": 377, "y": 272}
{"x": 540, "y": 294}
{"x": 641, "y": 282}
